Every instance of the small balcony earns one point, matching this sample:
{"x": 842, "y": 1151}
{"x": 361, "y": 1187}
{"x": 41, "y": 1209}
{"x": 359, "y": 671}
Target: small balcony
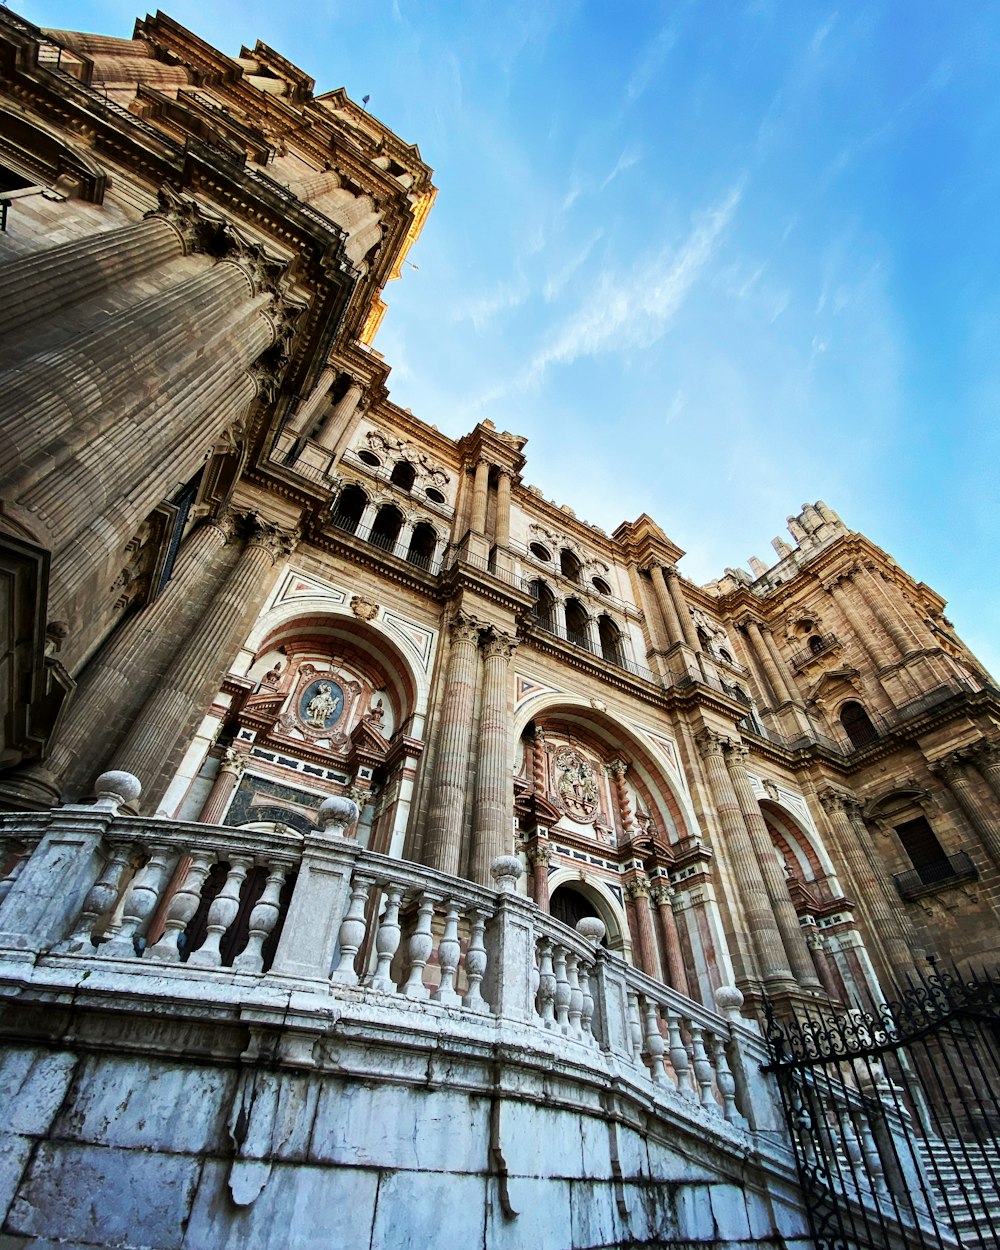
{"x": 819, "y": 644}
{"x": 940, "y": 874}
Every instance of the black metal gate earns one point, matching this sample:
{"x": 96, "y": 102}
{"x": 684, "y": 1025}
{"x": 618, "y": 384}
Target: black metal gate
{"x": 894, "y": 1115}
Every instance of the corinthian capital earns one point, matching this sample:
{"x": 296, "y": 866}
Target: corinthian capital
{"x": 639, "y": 888}
{"x": 497, "y": 644}
{"x": 710, "y": 742}
{"x": 269, "y": 536}
{"x": 464, "y": 628}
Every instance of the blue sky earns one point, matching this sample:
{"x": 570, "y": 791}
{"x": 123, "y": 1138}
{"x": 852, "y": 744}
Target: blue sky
{"x": 714, "y": 259}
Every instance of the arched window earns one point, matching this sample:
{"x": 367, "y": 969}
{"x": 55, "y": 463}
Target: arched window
{"x": 815, "y": 644}
{"x": 540, "y": 552}
{"x": 576, "y": 623}
{"x": 387, "y": 525}
{"x": 350, "y": 505}
{"x": 857, "y": 724}
{"x": 403, "y": 475}
{"x": 422, "y": 545}
{"x": 569, "y": 565}
{"x": 543, "y": 609}
{"x": 925, "y": 852}
{"x": 611, "y": 640}
{"x": 570, "y": 906}
{"x": 601, "y": 586}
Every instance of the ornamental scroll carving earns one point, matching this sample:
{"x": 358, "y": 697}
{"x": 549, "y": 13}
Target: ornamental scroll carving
{"x": 576, "y": 785}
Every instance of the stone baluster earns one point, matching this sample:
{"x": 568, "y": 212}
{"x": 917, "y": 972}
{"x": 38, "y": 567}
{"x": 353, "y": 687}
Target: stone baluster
{"x": 851, "y": 1144}
{"x": 493, "y": 822}
{"x": 763, "y": 936}
{"x": 563, "y": 994}
{"x": 221, "y": 914}
{"x": 419, "y": 949}
{"x": 724, "y": 1078}
{"x": 662, "y": 896}
{"x": 673, "y": 580}
{"x": 546, "y": 984}
{"x": 954, "y": 772}
{"x": 100, "y": 900}
{"x": 475, "y": 963}
{"x": 183, "y": 906}
{"x": 442, "y": 848}
{"x": 701, "y": 1065}
{"x": 575, "y": 995}
{"x": 338, "y": 423}
{"x": 227, "y": 780}
{"x": 586, "y": 1003}
{"x": 654, "y": 1045}
{"x": 139, "y": 904}
{"x": 197, "y": 668}
{"x": 780, "y": 903}
{"x": 353, "y": 929}
{"x": 648, "y": 959}
{"x": 263, "y": 918}
{"x": 386, "y": 942}
{"x": 308, "y": 407}
{"x": 502, "y": 528}
{"x": 667, "y": 606}
{"x": 635, "y": 1026}
{"x": 480, "y": 496}
{"x": 55, "y": 278}
{"x": 449, "y": 953}
{"x": 679, "y": 1060}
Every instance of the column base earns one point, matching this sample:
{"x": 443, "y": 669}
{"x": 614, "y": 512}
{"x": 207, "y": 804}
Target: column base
{"x": 34, "y": 789}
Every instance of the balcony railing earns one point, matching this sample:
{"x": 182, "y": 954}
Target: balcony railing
{"x": 348, "y": 524}
{"x": 951, "y": 870}
{"x": 821, "y": 644}
{"x": 204, "y": 907}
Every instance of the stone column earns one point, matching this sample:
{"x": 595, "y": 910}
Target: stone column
{"x": 796, "y": 950}
{"x": 502, "y": 536}
{"x": 35, "y": 286}
{"x": 954, "y": 772}
{"x": 648, "y": 958}
{"x": 668, "y": 609}
{"x": 662, "y": 896}
{"x": 858, "y": 627}
{"x": 227, "y": 780}
{"x": 785, "y": 678}
{"x": 198, "y": 667}
{"x": 83, "y": 739}
{"x": 826, "y": 969}
{"x": 492, "y": 828}
{"x": 764, "y": 657}
{"x": 367, "y": 518}
{"x": 338, "y": 420}
{"x": 894, "y": 937}
{"x": 673, "y": 580}
{"x": 986, "y": 757}
{"x": 875, "y": 602}
{"x": 442, "y": 847}
{"x": 404, "y": 538}
{"x": 540, "y": 856}
{"x": 306, "y": 412}
{"x": 763, "y": 935}
{"x": 617, "y": 769}
{"x": 593, "y": 636}
{"x": 480, "y": 494}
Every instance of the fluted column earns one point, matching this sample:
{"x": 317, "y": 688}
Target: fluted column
{"x": 673, "y": 580}
{"x": 826, "y": 969}
{"x": 540, "y": 856}
{"x": 593, "y": 635}
{"x": 662, "y": 896}
{"x": 893, "y": 935}
{"x": 796, "y": 950}
{"x": 502, "y": 536}
{"x": 480, "y": 494}
{"x": 224, "y": 787}
{"x": 876, "y": 604}
{"x": 858, "y": 627}
{"x": 765, "y": 658}
{"x": 306, "y": 412}
{"x": 340, "y": 418}
{"x": 443, "y": 842}
{"x": 198, "y": 667}
{"x": 55, "y": 278}
{"x": 493, "y": 821}
{"x": 763, "y": 935}
{"x": 648, "y": 958}
{"x": 986, "y": 757}
{"x": 953, "y": 770}
{"x": 785, "y": 679}
{"x": 668, "y": 609}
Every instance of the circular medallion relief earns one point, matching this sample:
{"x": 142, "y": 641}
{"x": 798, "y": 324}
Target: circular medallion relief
{"x": 321, "y": 704}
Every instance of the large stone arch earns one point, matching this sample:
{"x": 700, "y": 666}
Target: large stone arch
{"x": 802, "y": 847}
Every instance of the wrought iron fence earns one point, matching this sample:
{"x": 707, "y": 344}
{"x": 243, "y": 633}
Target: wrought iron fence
{"x": 894, "y": 1115}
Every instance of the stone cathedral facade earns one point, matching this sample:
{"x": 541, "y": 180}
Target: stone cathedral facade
{"x": 445, "y": 847}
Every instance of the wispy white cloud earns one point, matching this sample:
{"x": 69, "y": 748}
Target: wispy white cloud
{"x": 556, "y": 282}
{"x": 484, "y": 308}
{"x": 650, "y": 62}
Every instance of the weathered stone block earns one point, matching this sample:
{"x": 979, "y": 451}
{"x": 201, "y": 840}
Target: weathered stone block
{"x": 430, "y": 1211}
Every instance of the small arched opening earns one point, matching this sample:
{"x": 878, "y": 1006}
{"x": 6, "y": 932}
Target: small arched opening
{"x": 815, "y": 644}
{"x": 576, "y": 623}
{"x": 570, "y": 905}
{"x": 422, "y": 545}
{"x": 611, "y": 640}
{"x": 388, "y": 523}
{"x": 569, "y": 565}
{"x": 543, "y": 607}
{"x": 403, "y": 475}
{"x": 350, "y": 505}
{"x": 857, "y": 724}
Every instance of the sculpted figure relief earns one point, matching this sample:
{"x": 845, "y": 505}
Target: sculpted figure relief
{"x": 576, "y": 785}
{"x": 324, "y": 706}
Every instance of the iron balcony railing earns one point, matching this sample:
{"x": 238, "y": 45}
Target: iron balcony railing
{"x": 348, "y": 523}
{"x": 951, "y": 870}
{"x": 819, "y": 645}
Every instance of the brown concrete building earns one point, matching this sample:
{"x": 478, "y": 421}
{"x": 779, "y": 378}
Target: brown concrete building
{"x": 235, "y": 569}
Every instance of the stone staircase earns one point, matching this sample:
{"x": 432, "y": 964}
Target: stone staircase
{"x": 965, "y": 1175}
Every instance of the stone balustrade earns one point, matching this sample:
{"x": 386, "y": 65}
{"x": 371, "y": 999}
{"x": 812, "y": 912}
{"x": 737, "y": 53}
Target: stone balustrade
{"x": 131, "y": 896}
